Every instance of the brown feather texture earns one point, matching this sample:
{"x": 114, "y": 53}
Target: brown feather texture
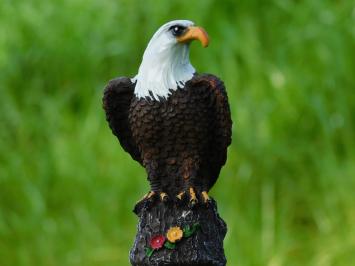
{"x": 181, "y": 140}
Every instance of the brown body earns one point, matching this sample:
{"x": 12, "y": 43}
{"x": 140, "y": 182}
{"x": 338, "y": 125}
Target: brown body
{"x": 182, "y": 140}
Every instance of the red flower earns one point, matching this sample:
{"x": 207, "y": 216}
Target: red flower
{"x": 157, "y": 242}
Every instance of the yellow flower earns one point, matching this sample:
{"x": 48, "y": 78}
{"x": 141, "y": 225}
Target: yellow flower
{"x": 174, "y": 234}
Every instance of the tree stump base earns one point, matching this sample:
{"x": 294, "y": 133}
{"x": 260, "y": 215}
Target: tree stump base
{"x": 203, "y": 248}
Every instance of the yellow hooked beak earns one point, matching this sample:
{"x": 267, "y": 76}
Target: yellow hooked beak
{"x": 194, "y": 33}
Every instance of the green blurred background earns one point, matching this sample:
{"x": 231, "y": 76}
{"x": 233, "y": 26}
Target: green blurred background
{"x": 288, "y": 190}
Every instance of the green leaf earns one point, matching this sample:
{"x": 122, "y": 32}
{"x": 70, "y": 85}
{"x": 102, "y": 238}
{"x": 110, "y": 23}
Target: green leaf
{"x": 189, "y": 231}
{"x": 186, "y": 228}
{"x": 149, "y": 252}
{"x": 169, "y": 245}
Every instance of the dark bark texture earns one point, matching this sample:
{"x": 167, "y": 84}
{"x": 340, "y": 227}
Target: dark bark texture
{"x": 203, "y": 248}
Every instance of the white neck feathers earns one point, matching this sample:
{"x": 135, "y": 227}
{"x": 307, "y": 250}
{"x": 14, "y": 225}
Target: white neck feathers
{"x": 165, "y": 67}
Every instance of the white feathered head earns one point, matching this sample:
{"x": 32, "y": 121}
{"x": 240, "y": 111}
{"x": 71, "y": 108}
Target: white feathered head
{"x": 166, "y": 64}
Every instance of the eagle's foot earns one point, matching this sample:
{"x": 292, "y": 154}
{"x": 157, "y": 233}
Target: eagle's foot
{"x": 180, "y": 196}
{"x": 205, "y": 198}
{"x": 152, "y": 196}
{"x": 147, "y": 196}
{"x": 193, "y": 197}
{"x": 150, "y": 199}
{"x": 190, "y": 193}
{"x": 147, "y": 199}
{"x": 164, "y": 197}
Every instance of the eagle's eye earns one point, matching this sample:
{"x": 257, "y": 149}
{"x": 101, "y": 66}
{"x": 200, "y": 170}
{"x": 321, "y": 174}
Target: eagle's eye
{"x": 177, "y": 30}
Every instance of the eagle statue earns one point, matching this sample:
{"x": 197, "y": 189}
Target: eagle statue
{"x": 175, "y": 122}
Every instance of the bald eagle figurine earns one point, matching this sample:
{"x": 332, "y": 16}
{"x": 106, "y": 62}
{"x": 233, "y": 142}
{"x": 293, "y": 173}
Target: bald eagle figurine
{"x": 175, "y": 122}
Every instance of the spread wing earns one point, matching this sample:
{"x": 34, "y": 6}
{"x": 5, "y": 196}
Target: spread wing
{"x": 116, "y": 102}
{"x": 221, "y": 124}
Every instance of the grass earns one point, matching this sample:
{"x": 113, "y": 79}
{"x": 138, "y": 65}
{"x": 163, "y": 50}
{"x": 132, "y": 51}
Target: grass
{"x": 66, "y": 187}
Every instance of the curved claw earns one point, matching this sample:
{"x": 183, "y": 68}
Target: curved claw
{"x": 193, "y": 199}
{"x": 147, "y": 198}
{"x": 164, "y": 197}
{"x": 149, "y": 195}
{"x": 206, "y": 199}
{"x": 152, "y": 196}
{"x": 181, "y": 195}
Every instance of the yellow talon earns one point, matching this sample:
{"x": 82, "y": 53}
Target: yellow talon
{"x": 179, "y": 196}
{"x": 192, "y": 195}
{"x": 205, "y": 197}
{"x": 146, "y": 196}
{"x": 163, "y": 196}
{"x": 150, "y": 194}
